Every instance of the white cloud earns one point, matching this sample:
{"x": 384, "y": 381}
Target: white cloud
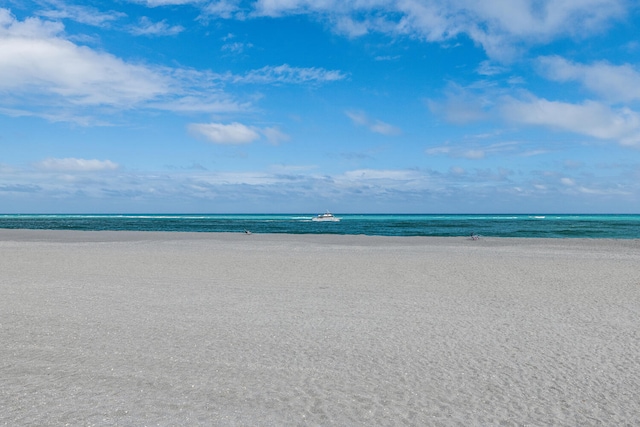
{"x": 296, "y": 188}
{"x": 473, "y": 154}
{"x": 236, "y": 133}
{"x": 236, "y": 47}
{"x": 225, "y": 9}
{"x": 499, "y": 25}
{"x": 56, "y": 79}
{"x": 460, "y": 106}
{"x": 541, "y": 19}
{"x": 148, "y": 28}
{"x": 37, "y": 61}
{"x": 83, "y": 14}
{"x": 358, "y": 117}
{"x": 274, "y": 135}
{"x": 29, "y": 28}
{"x": 383, "y": 174}
{"x": 473, "y": 150}
{"x": 376, "y": 126}
{"x": 218, "y": 133}
{"x": 218, "y": 103}
{"x": 589, "y": 118}
{"x": 384, "y": 128}
{"x": 376, "y": 174}
{"x": 457, "y": 152}
{"x": 284, "y": 7}
{"x": 76, "y": 165}
{"x": 156, "y": 3}
{"x": 45, "y": 75}
{"x": 617, "y": 83}
{"x": 486, "y": 68}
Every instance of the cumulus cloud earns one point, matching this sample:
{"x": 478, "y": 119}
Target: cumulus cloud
{"x": 49, "y": 76}
{"x": 617, "y": 83}
{"x": 46, "y": 75}
{"x": 377, "y": 126}
{"x": 72, "y": 164}
{"x": 37, "y": 61}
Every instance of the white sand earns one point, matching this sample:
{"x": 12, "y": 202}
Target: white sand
{"x": 178, "y": 329}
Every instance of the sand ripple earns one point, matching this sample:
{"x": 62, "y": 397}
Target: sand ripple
{"x": 317, "y": 330}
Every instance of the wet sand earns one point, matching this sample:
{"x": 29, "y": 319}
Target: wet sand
{"x": 132, "y": 329}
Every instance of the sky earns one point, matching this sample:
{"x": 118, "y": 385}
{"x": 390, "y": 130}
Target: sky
{"x": 303, "y": 106}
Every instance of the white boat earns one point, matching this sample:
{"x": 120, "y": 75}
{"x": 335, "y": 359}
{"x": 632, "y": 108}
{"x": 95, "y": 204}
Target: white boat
{"x": 328, "y": 216}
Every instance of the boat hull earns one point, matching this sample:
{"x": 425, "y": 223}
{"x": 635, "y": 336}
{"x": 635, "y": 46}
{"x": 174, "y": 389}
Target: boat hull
{"x": 334, "y": 219}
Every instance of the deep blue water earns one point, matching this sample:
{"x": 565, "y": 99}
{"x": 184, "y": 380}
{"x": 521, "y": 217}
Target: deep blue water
{"x": 534, "y": 225}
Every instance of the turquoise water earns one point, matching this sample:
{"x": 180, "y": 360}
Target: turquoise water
{"x": 534, "y": 225}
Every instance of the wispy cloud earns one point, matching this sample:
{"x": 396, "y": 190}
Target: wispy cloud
{"x": 76, "y": 165}
{"x": 274, "y": 135}
{"x": 472, "y": 150}
{"x": 236, "y": 133}
{"x": 158, "y": 3}
{"x": 499, "y": 26}
{"x": 397, "y": 175}
{"x": 616, "y": 83}
{"x": 146, "y": 27}
{"x": 377, "y": 126}
{"x": 461, "y": 105}
{"x": 487, "y": 68}
{"x": 225, "y": 9}
{"x": 219, "y": 133}
{"x": 84, "y": 14}
{"x": 236, "y": 47}
{"x": 230, "y": 45}
{"x": 456, "y": 152}
{"x": 287, "y": 74}
{"x": 588, "y": 118}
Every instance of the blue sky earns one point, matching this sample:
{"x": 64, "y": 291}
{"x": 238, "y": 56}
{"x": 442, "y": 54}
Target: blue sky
{"x": 415, "y": 106}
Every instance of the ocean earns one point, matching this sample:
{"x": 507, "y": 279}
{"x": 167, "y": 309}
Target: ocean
{"x": 500, "y": 225}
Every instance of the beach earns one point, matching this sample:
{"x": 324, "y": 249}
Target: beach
{"x": 229, "y": 329}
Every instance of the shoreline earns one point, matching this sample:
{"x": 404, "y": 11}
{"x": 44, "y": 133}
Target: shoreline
{"x": 624, "y": 227}
{"x": 32, "y": 233}
{"x": 176, "y": 328}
